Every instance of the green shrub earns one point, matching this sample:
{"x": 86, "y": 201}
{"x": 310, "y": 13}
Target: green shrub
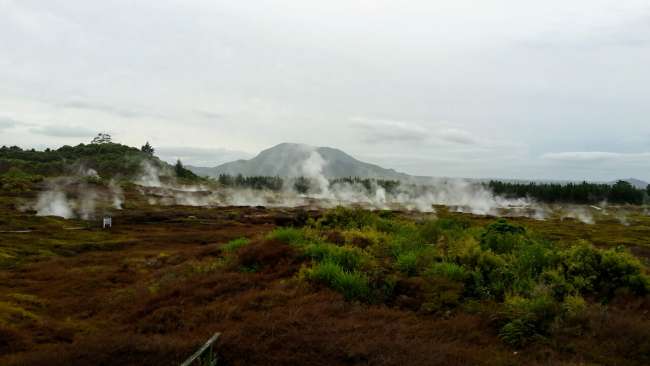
{"x": 407, "y": 263}
{"x": 574, "y": 309}
{"x": 426, "y": 257}
{"x": 532, "y": 258}
{"x": 324, "y": 272}
{"x": 582, "y": 266}
{"x": 620, "y": 269}
{"x": 502, "y": 226}
{"x": 557, "y": 283}
{"x": 364, "y": 238}
{"x": 491, "y": 277}
{"x": 430, "y": 231}
{"x": 502, "y": 243}
{"x": 288, "y": 235}
{"x": 441, "y": 293}
{"x": 517, "y": 332}
{"x": 451, "y": 271}
{"x": 349, "y": 258}
{"x": 391, "y": 226}
{"x": 502, "y": 237}
{"x": 235, "y": 244}
{"x": 603, "y": 272}
{"x": 463, "y": 249}
{"x": 347, "y": 218}
{"x": 354, "y": 285}
{"x": 406, "y": 240}
{"x": 528, "y": 262}
{"x": 527, "y": 318}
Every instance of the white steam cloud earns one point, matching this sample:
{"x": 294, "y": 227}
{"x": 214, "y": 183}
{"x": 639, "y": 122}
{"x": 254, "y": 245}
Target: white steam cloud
{"x": 72, "y": 197}
{"x": 117, "y": 194}
{"x": 150, "y": 176}
{"x": 460, "y": 195}
{"x": 579, "y": 213}
{"x": 53, "y": 203}
{"x": 75, "y": 197}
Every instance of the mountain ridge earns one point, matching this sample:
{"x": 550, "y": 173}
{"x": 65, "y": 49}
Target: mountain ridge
{"x": 288, "y": 160}
{"x": 293, "y": 159}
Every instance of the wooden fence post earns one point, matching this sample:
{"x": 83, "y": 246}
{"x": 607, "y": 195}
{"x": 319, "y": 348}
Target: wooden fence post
{"x": 205, "y": 355}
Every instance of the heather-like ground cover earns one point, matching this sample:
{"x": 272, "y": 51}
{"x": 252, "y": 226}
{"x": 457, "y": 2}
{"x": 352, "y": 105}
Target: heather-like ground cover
{"x": 342, "y": 286}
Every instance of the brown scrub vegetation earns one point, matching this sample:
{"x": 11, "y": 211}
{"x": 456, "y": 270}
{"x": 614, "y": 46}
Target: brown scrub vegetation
{"x": 350, "y": 287}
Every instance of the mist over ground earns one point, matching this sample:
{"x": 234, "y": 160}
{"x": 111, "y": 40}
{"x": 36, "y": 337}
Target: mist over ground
{"x": 79, "y": 195}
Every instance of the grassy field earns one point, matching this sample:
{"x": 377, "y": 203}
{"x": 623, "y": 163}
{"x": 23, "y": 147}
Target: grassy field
{"x": 342, "y": 286}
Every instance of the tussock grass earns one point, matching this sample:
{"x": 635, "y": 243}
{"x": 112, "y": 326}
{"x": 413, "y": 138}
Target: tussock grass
{"x": 235, "y": 244}
{"x": 352, "y": 284}
{"x": 10, "y": 314}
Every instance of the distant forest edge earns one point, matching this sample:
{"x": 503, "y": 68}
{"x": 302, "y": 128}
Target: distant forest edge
{"x": 304, "y": 184}
{"x": 22, "y": 169}
{"x": 620, "y": 192}
{"x": 584, "y": 193}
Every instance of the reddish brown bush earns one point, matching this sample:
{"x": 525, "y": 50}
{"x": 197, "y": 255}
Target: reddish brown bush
{"x": 269, "y": 256}
{"x": 11, "y": 340}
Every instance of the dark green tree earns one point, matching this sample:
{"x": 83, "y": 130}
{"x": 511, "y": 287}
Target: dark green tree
{"x": 624, "y": 192}
{"x": 182, "y": 172}
{"x": 179, "y": 168}
{"x": 301, "y": 185}
{"x": 147, "y": 148}
{"x": 226, "y": 180}
{"x": 101, "y": 138}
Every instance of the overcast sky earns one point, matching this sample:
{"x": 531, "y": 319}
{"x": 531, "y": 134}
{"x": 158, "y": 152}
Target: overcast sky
{"x": 556, "y": 89}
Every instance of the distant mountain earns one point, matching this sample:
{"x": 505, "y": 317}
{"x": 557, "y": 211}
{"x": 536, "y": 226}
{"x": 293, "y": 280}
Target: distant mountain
{"x": 292, "y": 160}
{"x": 638, "y": 183}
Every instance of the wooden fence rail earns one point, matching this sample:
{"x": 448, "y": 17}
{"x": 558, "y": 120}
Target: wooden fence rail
{"x": 205, "y": 356}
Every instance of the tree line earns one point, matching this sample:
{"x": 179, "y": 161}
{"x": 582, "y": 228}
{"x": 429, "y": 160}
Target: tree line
{"x": 620, "y": 192}
{"x": 369, "y": 184}
{"x": 253, "y": 182}
{"x": 302, "y": 184}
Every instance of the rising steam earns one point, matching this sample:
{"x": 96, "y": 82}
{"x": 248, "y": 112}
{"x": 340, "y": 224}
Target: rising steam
{"x": 461, "y": 195}
{"x": 81, "y": 195}
{"x": 73, "y": 197}
{"x": 53, "y": 203}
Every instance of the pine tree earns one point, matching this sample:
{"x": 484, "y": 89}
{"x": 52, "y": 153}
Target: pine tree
{"x": 179, "y": 168}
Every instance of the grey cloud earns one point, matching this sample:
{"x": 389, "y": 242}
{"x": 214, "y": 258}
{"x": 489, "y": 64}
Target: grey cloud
{"x": 247, "y": 77}
{"x": 377, "y": 130}
{"x": 208, "y": 114}
{"x": 633, "y": 33}
{"x": 6, "y": 122}
{"x": 597, "y": 156}
{"x": 63, "y": 131}
{"x": 205, "y": 157}
{"x": 457, "y": 136}
{"x": 122, "y": 112}
{"x": 102, "y": 108}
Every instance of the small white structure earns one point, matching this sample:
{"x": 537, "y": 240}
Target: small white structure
{"x": 107, "y": 223}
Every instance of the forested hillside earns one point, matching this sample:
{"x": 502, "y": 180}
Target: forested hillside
{"x": 19, "y": 168}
